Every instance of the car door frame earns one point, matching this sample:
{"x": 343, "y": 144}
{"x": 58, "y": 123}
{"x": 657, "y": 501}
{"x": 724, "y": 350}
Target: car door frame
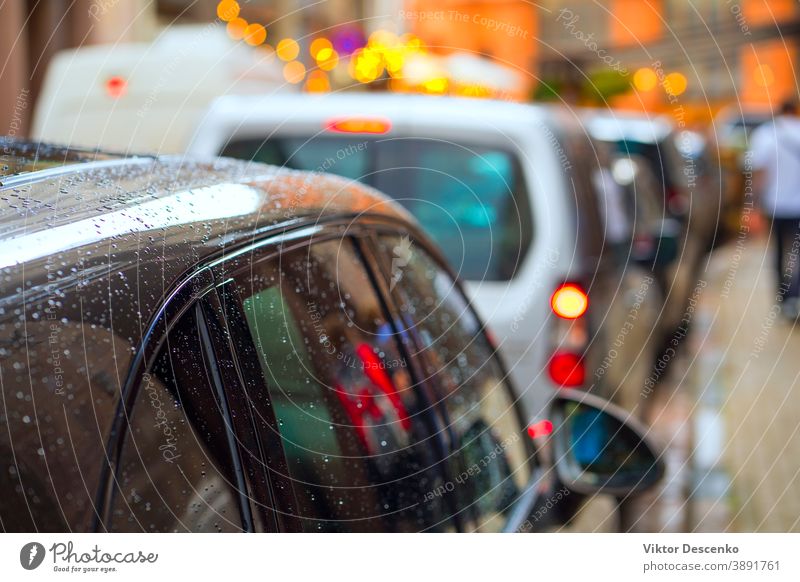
{"x": 189, "y": 293}
{"x": 523, "y": 506}
{"x": 358, "y": 229}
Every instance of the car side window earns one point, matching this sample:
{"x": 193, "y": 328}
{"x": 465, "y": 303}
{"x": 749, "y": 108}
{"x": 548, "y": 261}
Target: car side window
{"x": 356, "y": 431}
{"x": 175, "y": 473}
{"x": 489, "y": 461}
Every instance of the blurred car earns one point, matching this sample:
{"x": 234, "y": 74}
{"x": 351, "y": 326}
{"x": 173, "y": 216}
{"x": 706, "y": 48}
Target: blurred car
{"x": 228, "y": 347}
{"x": 655, "y": 235}
{"x": 505, "y": 190}
{"x": 691, "y": 192}
{"x": 146, "y": 96}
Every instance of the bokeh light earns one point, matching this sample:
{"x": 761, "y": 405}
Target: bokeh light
{"x": 236, "y": 28}
{"x": 287, "y": 49}
{"x": 675, "y": 84}
{"x": 227, "y": 10}
{"x": 645, "y": 79}
{"x": 327, "y": 59}
{"x": 319, "y": 45}
{"x": 255, "y": 34}
{"x": 294, "y": 72}
{"x": 317, "y": 82}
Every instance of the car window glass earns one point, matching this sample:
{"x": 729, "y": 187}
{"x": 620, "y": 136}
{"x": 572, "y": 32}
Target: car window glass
{"x": 356, "y": 432}
{"x": 471, "y": 199}
{"x": 490, "y": 459}
{"x": 175, "y": 471}
{"x": 344, "y": 157}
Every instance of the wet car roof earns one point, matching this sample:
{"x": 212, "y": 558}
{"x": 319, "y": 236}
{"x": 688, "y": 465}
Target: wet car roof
{"x": 19, "y": 158}
{"x": 114, "y": 213}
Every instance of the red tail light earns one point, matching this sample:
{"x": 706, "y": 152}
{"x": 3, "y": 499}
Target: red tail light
{"x": 569, "y": 301}
{"x": 116, "y": 86}
{"x": 359, "y": 125}
{"x": 567, "y": 369}
{"x": 540, "y": 429}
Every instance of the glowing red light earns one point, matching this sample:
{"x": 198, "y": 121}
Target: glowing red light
{"x": 116, "y": 87}
{"x": 567, "y": 369}
{"x": 540, "y": 429}
{"x": 359, "y": 125}
{"x": 569, "y": 301}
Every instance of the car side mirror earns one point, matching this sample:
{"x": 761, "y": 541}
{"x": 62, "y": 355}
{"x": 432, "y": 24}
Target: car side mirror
{"x": 598, "y": 447}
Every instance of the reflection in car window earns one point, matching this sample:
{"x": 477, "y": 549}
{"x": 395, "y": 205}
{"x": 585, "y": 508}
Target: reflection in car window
{"x": 471, "y": 199}
{"x": 490, "y": 457}
{"x": 355, "y": 431}
{"x": 175, "y": 470}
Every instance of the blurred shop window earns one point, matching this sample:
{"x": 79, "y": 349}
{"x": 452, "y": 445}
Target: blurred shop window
{"x": 759, "y": 12}
{"x": 635, "y": 22}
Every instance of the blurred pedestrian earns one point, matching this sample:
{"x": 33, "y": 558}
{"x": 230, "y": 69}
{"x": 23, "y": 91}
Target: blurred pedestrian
{"x": 775, "y": 157}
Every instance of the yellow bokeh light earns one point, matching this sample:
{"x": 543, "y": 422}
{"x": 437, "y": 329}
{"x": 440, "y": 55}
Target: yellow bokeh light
{"x": 675, "y": 84}
{"x": 227, "y": 10}
{"x": 236, "y": 28}
{"x": 318, "y": 45}
{"x": 294, "y": 72}
{"x": 764, "y": 76}
{"x": 255, "y": 34}
{"x": 287, "y": 49}
{"x": 436, "y": 86}
{"x": 645, "y": 79}
{"x": 328, "y": 60}
{"x": 411, "y": 42}
{"x": 317, "y": 82}
{"x": 394, "y": 59}
{"x": 323, "y": 54}
{"x": 366, "y": 65}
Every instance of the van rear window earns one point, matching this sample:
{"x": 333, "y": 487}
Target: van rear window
{"x": 470, "y": 199}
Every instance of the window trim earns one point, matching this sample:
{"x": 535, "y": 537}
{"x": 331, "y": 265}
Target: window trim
{"x": 358, "y": 230}
{"x": 187, "y": 295}
{"x": 519, "y": 510}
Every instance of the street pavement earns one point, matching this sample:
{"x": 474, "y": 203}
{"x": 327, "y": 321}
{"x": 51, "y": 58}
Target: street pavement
{"x": 727, "y": 412}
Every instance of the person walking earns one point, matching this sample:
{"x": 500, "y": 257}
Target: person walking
{"x": 775, "y": 158}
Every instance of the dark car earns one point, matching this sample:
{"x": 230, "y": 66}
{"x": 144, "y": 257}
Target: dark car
{"x": 691, "y": 196}
{"x": 226, "y": 346}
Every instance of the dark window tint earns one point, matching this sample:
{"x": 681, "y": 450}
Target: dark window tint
{"x": 356, "y": 432}
{"x": 471, "y": 199}
{"x": 175, "y": 471}
{"x": 489, "y": 459}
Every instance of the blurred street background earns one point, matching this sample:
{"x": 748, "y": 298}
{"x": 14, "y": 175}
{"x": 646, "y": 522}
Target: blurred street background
{"x": 140, "y": 74}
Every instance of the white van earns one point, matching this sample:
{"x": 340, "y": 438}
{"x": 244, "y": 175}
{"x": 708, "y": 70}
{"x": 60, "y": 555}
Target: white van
{"x": 506, "y": 191}
{"x": 147, "y": 97}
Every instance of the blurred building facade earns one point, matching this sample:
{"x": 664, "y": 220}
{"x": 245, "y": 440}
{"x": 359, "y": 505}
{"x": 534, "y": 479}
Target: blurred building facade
{"x": 719, "y": 51}
{"x": 631, "y": 53}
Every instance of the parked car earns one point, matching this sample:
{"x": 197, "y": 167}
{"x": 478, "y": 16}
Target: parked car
{"x": 505, "y": 190}
{"x": 147, "y": 96}
{"x": 227, "y": 346}
{"x": 656, "y": 235}
{"x": 691, "y": 188}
